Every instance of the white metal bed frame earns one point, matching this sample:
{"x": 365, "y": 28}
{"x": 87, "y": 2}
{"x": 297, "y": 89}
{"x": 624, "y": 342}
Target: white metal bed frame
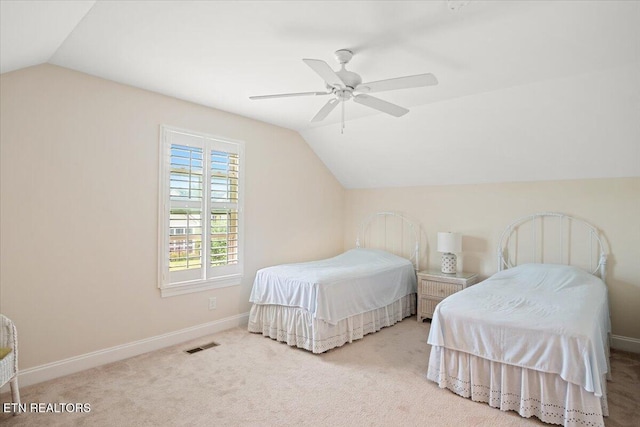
{"x": 378, "y": 223}
{"x": 566, "y": 222}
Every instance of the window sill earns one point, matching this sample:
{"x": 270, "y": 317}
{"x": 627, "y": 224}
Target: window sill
{"x": 199, "y": 285}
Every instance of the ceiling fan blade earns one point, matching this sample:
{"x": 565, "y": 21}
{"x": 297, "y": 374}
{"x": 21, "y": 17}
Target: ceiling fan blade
{"x": 324, "y": 70}
{"x": 324, "y": 111}
{"x": 380, "y": 105}
{"x": 286, "y": 95}
{"x": 407, "y": 82}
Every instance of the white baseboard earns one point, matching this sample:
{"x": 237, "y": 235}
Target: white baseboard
{"x": 75, "y": 364}
{"x": 625, "y": 343}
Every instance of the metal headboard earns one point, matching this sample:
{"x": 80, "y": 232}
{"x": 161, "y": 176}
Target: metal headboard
{"x": 508, "y": 251}
{"x": 392, "y": 232}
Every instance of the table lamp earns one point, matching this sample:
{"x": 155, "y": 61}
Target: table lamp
{"x": 448, "y": 244}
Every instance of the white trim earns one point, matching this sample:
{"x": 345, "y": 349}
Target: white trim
{"x": 198, "y": 279}
{"x": 79, "y": 363}
{"x": 201, "y": 285}
{"x": 625, "y": 343}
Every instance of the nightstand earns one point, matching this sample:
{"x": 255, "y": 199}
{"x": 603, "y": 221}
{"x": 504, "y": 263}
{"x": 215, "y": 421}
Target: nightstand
{"x": 434, "y": 286}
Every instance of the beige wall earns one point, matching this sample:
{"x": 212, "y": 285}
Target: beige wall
{"x": 79, "y": 204}
{"x": 481, "y": 212}
{"x": 78, "y": 218}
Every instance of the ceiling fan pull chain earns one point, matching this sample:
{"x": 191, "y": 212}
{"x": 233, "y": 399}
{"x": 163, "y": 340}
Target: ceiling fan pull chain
{"x": 342, "y": 129}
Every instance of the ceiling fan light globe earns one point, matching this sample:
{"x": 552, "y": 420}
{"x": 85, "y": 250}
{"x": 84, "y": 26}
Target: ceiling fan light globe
{"x": 344, "y": 94}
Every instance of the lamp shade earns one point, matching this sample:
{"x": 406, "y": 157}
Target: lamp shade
{"x": 449, "y": 242}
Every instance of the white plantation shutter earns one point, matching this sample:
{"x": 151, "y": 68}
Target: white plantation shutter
{"x": 200, "y": 212}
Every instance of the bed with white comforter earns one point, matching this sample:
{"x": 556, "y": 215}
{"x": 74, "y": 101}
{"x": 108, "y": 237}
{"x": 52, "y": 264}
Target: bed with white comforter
{"x": 533, "y": 338}
{"x": 324, "y": 304}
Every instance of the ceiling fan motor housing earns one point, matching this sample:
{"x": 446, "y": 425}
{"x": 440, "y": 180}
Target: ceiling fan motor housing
{"x": 350, "y": 79}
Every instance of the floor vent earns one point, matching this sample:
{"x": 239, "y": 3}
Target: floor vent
{"x": 211, "y": 344}
{"x": 202, "y": 347}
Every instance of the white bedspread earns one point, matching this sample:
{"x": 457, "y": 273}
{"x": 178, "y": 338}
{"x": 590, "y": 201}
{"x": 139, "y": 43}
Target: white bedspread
{"x": 551, "y": 318}
{"x": 333, "y": 289}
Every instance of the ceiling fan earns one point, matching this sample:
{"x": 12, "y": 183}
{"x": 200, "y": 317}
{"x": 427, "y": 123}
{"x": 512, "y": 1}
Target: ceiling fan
{"x": 345, "y": 85}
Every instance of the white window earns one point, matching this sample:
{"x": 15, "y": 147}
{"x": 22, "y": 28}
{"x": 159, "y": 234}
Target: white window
{"x": 201, "y": 218}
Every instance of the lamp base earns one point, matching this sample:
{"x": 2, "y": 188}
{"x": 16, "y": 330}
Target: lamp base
{"x": 449, "y": 263}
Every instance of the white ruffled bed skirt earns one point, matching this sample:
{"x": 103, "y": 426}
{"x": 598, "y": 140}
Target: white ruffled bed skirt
{"x": 298, "y": 328}
{"x": 512, "y": 388}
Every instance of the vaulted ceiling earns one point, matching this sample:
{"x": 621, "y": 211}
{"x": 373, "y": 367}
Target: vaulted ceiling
{"x": 499, "y": 65}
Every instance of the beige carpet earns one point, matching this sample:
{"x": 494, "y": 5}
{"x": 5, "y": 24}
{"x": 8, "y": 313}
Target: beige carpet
{"x": 249, "y": 380}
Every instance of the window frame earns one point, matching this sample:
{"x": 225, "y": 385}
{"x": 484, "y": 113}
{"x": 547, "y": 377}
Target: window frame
{"x": 208, "y": 277}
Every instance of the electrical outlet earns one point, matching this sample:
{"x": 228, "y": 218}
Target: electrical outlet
{"x": 212, "y": 303}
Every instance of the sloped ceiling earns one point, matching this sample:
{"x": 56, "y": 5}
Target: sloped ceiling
{"x": 499, "y": 65}
{"x": 32, "y": 31}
